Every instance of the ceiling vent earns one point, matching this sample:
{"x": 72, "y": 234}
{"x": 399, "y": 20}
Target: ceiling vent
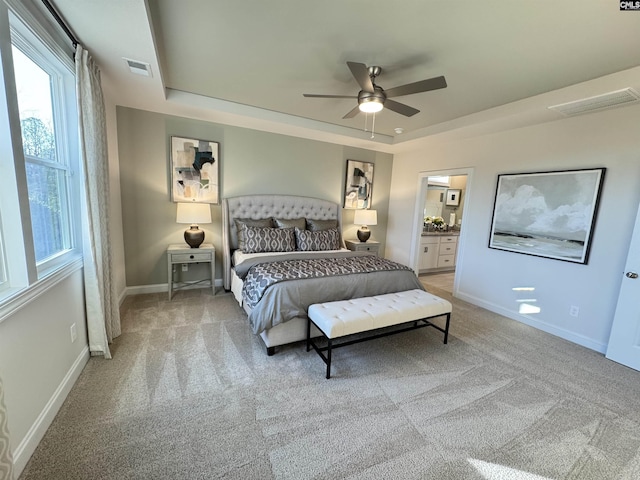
{"x": 618, "y": 98}
{"x": 138, "y": 67}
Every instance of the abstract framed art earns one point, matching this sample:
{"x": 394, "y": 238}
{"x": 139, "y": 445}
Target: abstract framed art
{"x": 547, "y": 214}
{"x": 453, "y": 197}
{"x": 358, "y": 184}
{"x": 195, "y": 167}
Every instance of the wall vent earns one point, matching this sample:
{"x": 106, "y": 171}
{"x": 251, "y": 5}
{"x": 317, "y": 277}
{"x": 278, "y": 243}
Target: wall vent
{"x": 138, "y": 67}
{"x": 626, "y": 96}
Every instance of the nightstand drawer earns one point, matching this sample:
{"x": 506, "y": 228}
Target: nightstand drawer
{"x": 190, "y": 257}
{"x": 357, "y": 246}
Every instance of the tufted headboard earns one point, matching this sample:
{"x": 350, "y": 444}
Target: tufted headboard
{"x": 265, "y": 206}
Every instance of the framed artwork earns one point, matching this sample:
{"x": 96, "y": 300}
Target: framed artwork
{"x": 195, "y": 167}
{"x": 547, "y": 214}
{"x": 358, "y": 184}
{"x": 453, "y": 197}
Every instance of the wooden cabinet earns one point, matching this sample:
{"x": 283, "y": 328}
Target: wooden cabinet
{"x": 437, "y": 252}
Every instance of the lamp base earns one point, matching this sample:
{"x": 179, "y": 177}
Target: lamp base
{"x": 194, "y": 236}
{"x": 363, "y": 235}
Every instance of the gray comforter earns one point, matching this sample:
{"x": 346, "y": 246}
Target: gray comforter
{"x": 289, "y": 297}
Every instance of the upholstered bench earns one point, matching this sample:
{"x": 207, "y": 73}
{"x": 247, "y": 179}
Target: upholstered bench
{"x": 373, "y": 314}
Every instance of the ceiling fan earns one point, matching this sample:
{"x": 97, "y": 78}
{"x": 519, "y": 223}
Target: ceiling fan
{"x": 373, "y": 98}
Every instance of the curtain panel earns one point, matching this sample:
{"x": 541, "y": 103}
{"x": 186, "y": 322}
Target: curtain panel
{"x": 6, "y": 462}
{"x": 103, "y": 316}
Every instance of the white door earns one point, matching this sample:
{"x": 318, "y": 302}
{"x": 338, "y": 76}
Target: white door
{"x": 624, "y": 342}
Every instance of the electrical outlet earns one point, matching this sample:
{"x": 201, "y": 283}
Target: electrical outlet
{"x": 74, "y": 332}
{"x": 574, "y": 311}
{"x": 185, "y": 267}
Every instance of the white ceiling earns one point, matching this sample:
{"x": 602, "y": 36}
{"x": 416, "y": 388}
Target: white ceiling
{"x": 505, "y": 61}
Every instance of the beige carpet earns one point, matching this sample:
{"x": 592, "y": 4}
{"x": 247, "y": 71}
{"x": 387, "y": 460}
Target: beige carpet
{"x": 191, "y": 394}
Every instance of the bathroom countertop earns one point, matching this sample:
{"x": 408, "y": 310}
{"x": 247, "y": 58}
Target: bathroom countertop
{"x": 440, "y": 234}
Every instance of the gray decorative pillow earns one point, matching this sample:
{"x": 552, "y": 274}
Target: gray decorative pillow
{"x": 290, "y": 223}
{"x": 316, "y": 225}
{"x": 267, "y": 239}
{"x": 250, "y": 222}
{"x": 308, "y": 241}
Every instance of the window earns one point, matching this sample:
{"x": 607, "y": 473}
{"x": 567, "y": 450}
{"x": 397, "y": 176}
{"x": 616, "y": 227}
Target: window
{"x": 39, "y": 158}
{"x": 46, "y": 170}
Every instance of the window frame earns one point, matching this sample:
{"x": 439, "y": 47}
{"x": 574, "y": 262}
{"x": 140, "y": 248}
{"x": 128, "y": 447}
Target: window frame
{"x": 24, "y": 277}
{"x": 4, "y": 284}
{"x": 61, "y": 78}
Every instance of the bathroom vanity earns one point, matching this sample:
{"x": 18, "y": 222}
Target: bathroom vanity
{"x": 438, "y": 251}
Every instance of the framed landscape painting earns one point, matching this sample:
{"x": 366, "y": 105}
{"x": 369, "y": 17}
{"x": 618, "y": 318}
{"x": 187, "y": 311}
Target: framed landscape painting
{"x": 547, "y": 214}
{"x": 195, "y": 166}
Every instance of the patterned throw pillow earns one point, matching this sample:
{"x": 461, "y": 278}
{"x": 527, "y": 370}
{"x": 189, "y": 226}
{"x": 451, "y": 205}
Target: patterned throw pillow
{"x": 290, "y": 223}
{"x": 308, "y": 241}
{"x": 250, "y": 222}
{"x": 266, "y": 239}
{"x": 316, "y": 225}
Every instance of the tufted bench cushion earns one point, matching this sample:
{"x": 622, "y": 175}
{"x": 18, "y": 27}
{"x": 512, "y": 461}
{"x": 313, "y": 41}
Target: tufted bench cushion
{"x": 346, "y": 317}
{"x": 366, "y": 314}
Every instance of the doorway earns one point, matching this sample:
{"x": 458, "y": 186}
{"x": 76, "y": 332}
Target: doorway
{"x": 438, "y": 241}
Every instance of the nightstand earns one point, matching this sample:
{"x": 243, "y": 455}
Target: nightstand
{"x": 182, "y": 254}
{"x": 358, "y": 246}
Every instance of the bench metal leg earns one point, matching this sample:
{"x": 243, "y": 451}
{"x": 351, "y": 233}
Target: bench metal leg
{"x": 446, "y": 328}
{"x": 382, "y": 332}
{"x": 329, "y": 359}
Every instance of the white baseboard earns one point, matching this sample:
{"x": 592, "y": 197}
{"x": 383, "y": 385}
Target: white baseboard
{"x": 532, "y": 322}
{"x": 122, "y": 296}
{"x": 29, "y": 443}
{"x": 143, "y": 289}
{"x": 160, "y": 287}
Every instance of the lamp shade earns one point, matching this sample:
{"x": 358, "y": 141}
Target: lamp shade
{"x": 365, "y": 217}
{"x": 193, "y": 213}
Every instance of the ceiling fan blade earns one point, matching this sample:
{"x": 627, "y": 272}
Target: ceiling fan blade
{"x": 353, "y": 112}
{"x": 361, "y": 73}
{"x": 422, "y": 86}
{"x": 313, "y": 95}
{"x": 400, "y": 108}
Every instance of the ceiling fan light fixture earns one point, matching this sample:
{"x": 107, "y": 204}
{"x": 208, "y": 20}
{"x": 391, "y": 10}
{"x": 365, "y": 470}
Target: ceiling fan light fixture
{"x": 372, "y": 98}
{"x": 370, "y": 105}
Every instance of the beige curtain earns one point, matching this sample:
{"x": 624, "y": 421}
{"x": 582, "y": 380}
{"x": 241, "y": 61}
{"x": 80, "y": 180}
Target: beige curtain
{"x": 103, "y": 316}
{"x": 6, "y": 462}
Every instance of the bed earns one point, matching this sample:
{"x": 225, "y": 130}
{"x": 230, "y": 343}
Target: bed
{"x": 282, "y": 253}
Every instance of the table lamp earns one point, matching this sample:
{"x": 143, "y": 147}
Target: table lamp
{"x": 193, "y": 213}
{"x": 365, "y": 218}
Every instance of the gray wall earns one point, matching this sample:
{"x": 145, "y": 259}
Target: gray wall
{"x": 250, "y": 162}
{"x": 38, "y": 361}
